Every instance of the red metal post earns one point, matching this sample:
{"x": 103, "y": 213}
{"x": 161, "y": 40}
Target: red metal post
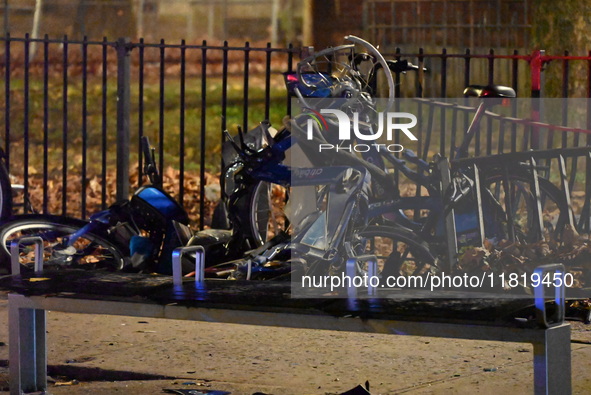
{"x": 536, "y": 64}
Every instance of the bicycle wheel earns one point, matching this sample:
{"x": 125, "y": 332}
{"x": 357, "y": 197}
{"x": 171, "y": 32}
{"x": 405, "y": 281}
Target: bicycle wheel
{"x": 5, "y": 192}
{"x": 257, "y": 212}
{"x": 266, "y": 211}
{"x": 398, "y": 251}
{"x": 91, "y": 251}
{"x": 518, "y": 185}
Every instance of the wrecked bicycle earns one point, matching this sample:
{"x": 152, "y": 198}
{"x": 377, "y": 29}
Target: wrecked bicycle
{"x": 323, "y": 238}
{"x": 134, "y": 235}
{"x": 328, "y": 226}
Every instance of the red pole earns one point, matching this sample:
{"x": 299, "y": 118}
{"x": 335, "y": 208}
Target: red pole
{"x": 536, "y": 63}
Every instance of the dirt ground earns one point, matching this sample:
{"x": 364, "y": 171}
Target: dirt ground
{"x": 92, "y": 354}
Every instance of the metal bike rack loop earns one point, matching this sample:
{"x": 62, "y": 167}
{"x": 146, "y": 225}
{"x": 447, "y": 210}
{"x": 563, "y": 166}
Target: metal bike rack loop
{"x": 177, "y": 270}
{"x": 15, "y": 255}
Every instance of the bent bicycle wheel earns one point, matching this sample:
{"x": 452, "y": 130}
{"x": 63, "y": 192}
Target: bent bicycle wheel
{"x": 90, "y": 251}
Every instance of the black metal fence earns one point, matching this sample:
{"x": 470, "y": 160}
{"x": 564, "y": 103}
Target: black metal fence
{"x": 74, "y": 111}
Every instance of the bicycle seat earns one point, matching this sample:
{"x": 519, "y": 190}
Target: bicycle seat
{"x": 495, "y": 91}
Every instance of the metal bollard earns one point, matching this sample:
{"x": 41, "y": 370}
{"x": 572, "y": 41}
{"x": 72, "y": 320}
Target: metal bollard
{"x": 249, "y": 269}
{"x": 372, "y": 272}
{"x": 15, "y": 255}
{"x": 351, "y": 272}
{"x": 177, "y": 270}
{"x": 559, "y": 295}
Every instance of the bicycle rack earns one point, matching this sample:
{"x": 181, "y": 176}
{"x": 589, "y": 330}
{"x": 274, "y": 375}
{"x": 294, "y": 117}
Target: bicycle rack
{"x": 15, "y": 255}
{"x": 558, "y": 315}
{"x": 450, "y": 221}
{"x": 177, "y": 270}
{"x": 584, "y": 224}
{"x": 534, "y": 158}
{"x": 351, "y": 272}
{"x": 478, "y": 190}
{"x": 539, "y": 223}
{"x": 566, "y": 189}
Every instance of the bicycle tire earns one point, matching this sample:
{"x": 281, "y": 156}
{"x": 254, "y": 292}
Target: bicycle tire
{"x": 5, "y": 192}
{"x": 267, "y": 220}
{"x": 255, "y": 216}
{"x": 94, "y": 250}
{"x": 523, "y": 212}
{"x": 412, "y": 257}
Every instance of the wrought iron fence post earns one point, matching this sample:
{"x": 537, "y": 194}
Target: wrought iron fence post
{"x": 123, "y": 47}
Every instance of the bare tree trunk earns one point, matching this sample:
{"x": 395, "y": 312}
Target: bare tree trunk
{"x": 6, "y": 10}
{"x": 80, "y": 21}
{"x": 36, "y": 23}
{"x": 274, "y": 23}
{"x": 308, "y": 23}
{"x": 561, "y": 26}
{"x": 190, "y": 31}
{"x": 211, "y": 21}
{"x": 140, "y": 18}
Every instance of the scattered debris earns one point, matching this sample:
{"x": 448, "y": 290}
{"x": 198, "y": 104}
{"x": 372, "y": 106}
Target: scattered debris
{"x": 582, "y": 309}
{"x": 80, "y": 360}
{"x": 194, "y": 392}
{"x": 37, "y": 279}
{"x": 64, "y": 383}
{"x": 359, "y": 390}
{"x": 520, "y": 259}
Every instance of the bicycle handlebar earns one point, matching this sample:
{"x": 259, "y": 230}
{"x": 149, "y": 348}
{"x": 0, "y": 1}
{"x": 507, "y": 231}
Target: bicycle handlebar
{"x": 150, "y": 168}
{"x": 402, "y": 66}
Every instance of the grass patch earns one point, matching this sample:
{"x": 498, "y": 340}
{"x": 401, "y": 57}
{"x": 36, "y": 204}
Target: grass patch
{"x": 153, "y": 120}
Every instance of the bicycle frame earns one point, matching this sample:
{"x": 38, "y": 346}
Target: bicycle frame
{"x": 344, "y": 187}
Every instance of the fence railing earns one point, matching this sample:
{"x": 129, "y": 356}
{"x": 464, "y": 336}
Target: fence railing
{"x": 74, "y": 111}
{"x": 82, "y": 106}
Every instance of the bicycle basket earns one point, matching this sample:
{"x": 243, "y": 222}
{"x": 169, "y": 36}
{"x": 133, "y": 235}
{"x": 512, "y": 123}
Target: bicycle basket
{"x": 154, "y": 208}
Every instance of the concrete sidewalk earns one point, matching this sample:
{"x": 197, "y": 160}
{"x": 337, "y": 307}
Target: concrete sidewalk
{"x": 125, "y": 355}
